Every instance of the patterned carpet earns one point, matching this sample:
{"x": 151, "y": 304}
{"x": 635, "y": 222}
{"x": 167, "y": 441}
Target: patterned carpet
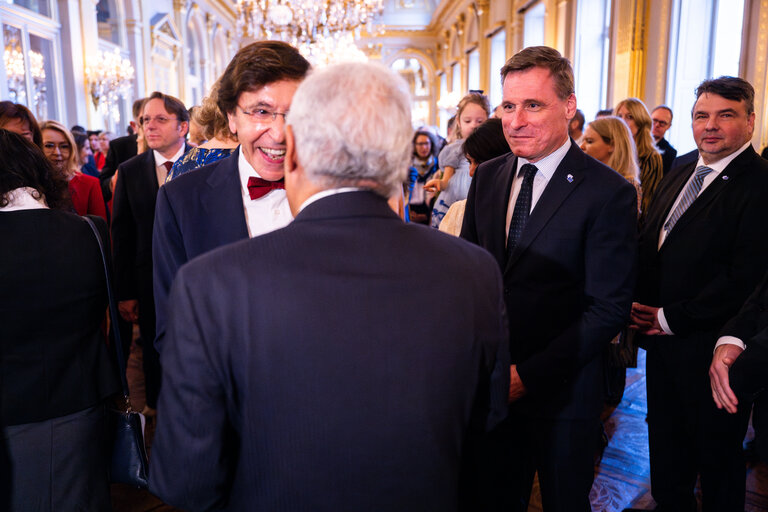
{"x": 621, "y": 477}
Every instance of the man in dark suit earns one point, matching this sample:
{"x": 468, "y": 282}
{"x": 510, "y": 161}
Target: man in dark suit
{"x": 240, "y": 196}
{"x": 661, "y": 121}
{"x": 561, "y": 227}
{"x": 740, "y": 364}
{"x": 702, "y": 249}
{"x": 165, "y": 122}
{"x": 120, "y": 150}
{"x": 314, "y": 386}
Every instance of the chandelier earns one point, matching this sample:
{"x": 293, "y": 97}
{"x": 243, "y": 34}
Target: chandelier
{"x": 304, "y": 22}
{"x": 15, "y": 72}
{"x": 109, "y": 77}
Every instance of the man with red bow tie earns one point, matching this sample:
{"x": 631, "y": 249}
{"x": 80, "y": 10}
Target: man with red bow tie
{"x": 240, "y": 196}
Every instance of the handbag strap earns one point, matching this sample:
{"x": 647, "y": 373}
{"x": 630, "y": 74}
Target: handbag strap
{"x": 112, "y": 310}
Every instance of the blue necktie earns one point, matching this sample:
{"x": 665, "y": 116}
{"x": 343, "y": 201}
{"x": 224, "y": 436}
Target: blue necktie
{"x": 522, "y": 207}
{"x": 689, "y": 196}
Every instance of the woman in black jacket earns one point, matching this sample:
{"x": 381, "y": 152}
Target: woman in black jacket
{"x": 55, "y": 367}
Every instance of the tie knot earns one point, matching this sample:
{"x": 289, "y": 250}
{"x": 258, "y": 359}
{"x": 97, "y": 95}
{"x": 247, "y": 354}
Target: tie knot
{"x": 703, "y": 170}
{"x": 529, "y": 171}
{"x": 168, "y": 164}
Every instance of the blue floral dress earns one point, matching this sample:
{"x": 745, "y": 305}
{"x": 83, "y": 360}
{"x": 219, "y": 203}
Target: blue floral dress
{"x": 197, "y": 157}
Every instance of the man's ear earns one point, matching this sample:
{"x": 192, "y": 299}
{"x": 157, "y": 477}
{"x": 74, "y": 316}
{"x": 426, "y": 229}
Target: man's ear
{"x": 290, "y": 162}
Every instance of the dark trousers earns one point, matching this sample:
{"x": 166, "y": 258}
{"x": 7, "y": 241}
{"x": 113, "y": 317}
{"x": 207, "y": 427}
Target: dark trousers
{"x": 150, "y": 354}
{"x": 506, "y": 460}
{"x": 688, "y": 435}
{"x": 60, "y": 464}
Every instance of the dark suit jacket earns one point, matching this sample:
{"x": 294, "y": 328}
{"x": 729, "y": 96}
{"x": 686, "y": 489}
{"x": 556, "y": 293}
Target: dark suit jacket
{"x": 668, "y": 154}
{"x": 568, "y": 284}
{"x": 314, "y": 385}
{"x": 710, "y": 262}
{"x": 53, "y": 358}
{"x": 120, "y": 150}
{"x": 196, "y": 212}
{"x": 133, "y": 216}
{"x": 749, "y": 374}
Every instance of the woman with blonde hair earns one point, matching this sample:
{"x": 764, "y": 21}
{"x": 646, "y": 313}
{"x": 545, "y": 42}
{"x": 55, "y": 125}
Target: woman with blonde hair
{"x": 635, "y": 114}
{"x": 473, "y": 110}
{"x": 220, "y": 142}
{"x": 609, "y": 140}
{"x": 61, "y": 151}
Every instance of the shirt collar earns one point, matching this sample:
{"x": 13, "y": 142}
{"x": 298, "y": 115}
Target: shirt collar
{"x": 160, "y": 159}
{"x": 721, "y": 164}
{"x": 24, "y": 198}
{"x": 548, "y": 165}
{"x": 327, "y": 193}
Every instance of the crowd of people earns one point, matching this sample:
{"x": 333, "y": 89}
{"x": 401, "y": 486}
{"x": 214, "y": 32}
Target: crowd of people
{"x": 311, "y": 341}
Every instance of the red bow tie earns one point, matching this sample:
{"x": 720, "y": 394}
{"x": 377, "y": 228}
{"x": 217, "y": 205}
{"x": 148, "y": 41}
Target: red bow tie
{"x": 258, "y": 187}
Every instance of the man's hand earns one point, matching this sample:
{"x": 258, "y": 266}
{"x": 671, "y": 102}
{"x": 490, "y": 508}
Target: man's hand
{"x": 129, "y": 310}
{"x": 722, "y": 393}
{"x": 516, "y": 387}
{"x": 645, "y": 319}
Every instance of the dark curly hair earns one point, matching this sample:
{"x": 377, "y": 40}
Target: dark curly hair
{"x": 24, "y": 165}
{"x": 487, "y": 141}
{"x": 10, "y": 111}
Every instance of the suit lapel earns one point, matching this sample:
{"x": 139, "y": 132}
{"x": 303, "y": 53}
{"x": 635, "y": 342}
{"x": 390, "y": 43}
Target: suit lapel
{"x": 223, "y": 199}
{"x": 665, "y": 200}
{"x": 564, "y": 181}
{"x": 498, "y": 208}
{"x": 727, "y": 176}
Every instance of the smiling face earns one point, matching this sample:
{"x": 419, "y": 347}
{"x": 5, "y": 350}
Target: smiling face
{"x": 594, "y": 145}
{"x": 263, "y": 142}
{"x": 57, "y": 149}
{"x": 535, "y": 119}
{"x": 720, "y": 126}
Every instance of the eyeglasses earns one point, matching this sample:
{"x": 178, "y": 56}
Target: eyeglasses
{"x": 660, "y": 122}
{"x": 50, "y": 147}
{"x": 159, "y": 119}
{"x": 422, "y": 143}
{"x": 260, "y": 115}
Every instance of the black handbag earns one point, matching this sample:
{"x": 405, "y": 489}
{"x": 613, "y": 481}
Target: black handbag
{"x": 129, "y": 456}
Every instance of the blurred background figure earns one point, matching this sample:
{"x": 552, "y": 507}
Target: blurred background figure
{"x": 18, "y": 119}
{"x": 453, "y": 185}
{"x": 423, "y": 167}
{"x": 196, "y": 132}
{"x": 635, "y": 114}
{"x": 661, "y": 119}
{"x": 219, "y": 141}
{"x": 58, "y": 374}
{"x": 608, "y": 139}
{"x": 98, "y": 157}
{"x": 60, "y": 150}
{"x": 485, "y": 143}
{"x": 85, "y": 155}
{"x": 576, "y": 126}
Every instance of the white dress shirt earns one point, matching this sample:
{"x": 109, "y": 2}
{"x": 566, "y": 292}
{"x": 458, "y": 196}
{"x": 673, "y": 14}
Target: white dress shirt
{"x": 267, "y": 213}
{"x": 160, "y": 171}
{"x": 326, "y": 193}
{"x": 546, "y": 169}
{"x": 717, "y": 169}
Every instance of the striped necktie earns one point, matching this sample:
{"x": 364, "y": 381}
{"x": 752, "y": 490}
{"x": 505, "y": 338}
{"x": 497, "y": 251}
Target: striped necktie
{"x": 522, "y": 207}
{"x": 689, "y": 196}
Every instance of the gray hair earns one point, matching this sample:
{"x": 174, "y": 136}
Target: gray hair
{"x": 352, "y": 127}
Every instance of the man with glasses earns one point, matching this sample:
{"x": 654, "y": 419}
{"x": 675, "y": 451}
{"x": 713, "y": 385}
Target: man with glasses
{"x": 240, "y": 196}
{"x": 661, "y": 119}
{"x": 165, "y": 122}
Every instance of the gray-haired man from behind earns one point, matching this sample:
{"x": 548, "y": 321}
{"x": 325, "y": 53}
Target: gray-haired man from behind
{"x": 314, "y": 387}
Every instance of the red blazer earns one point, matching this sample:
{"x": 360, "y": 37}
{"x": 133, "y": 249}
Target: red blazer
{"x": 100, "y": 159}
{"x": 86, "y": 195}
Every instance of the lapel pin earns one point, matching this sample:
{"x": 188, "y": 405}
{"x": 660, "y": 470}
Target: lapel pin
{"x": 725, "y": 178}
{"x": 569, "y": 178}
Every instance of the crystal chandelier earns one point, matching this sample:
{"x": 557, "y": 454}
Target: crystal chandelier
{"x": 304, "y": 22}
{"x": 109, "y": 77}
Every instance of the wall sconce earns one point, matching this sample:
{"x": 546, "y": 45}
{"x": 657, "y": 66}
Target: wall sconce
{"x": 108, "y": 77}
